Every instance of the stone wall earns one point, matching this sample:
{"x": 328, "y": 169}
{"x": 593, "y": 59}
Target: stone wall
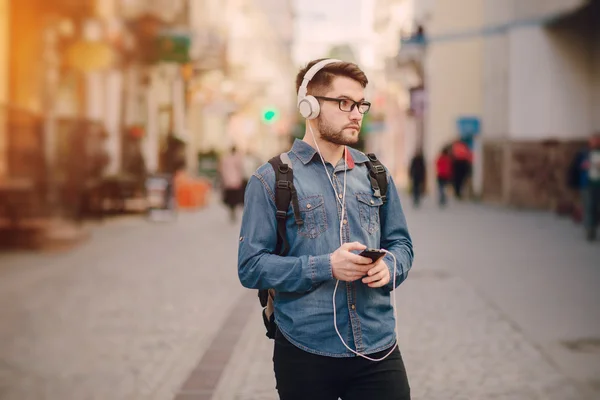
{"x": 528, "y": 174}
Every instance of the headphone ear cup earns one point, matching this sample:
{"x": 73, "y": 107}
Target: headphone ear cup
{"x": 315, "y": 107}
{"x": 305, "y": 108}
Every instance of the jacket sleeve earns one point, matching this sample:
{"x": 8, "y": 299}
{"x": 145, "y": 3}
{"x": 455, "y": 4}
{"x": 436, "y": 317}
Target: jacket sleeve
{"x": 395, "y": 237}
{"x": 258, "y": 267}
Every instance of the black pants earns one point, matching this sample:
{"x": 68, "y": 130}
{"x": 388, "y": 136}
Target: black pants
{"x": 460, "y": 172}
{"x": 417, "y": 190}
{"x": 301, "y": 375}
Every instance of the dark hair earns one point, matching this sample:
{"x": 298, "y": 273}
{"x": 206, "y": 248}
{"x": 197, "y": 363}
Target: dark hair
{"x": 323, "y": 79}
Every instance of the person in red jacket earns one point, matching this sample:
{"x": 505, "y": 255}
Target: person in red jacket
{"x": 444, "y": 174}
{"x": 462, "y": 159}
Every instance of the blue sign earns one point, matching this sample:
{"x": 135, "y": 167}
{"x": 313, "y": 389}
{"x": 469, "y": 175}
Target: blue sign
{"x": 468, "y": 126}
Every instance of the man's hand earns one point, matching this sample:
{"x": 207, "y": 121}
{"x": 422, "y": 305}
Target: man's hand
{"x": 378, "y": 276}
{"x": 347, "y": 266}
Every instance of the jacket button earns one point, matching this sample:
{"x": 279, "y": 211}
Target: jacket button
{"x": 353, "y": 307}
{"x": 372, "y": 202}
{"x": 308, "y": 206}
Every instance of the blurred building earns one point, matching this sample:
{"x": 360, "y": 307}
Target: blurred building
{"x": 89, "y": 91}
{"x": 263, "y": 73}
{"x": 393, "y": 137}
{"x": 46, "y": 52}
{"x": 541, "y": 96}
{"x": 442, "y": 78}
{"x": 517, "y": 80}
{"x": 4, "y": 29}
{"x": 243, "y": 72}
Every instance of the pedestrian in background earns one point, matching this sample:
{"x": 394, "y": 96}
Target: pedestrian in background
{"x": 461, "y": 167}
{"x": 417, "y": 174}
{"x": 591, "y": 187}
{"x": 231, "y": 172}
{"x": 444, "y": 174}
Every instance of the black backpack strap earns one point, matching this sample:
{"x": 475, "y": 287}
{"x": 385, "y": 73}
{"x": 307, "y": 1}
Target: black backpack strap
{"x": 377, "y": 176}
{"x": 285, "y": 193}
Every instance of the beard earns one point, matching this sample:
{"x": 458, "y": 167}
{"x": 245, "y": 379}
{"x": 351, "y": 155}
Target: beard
{"x": 337, "y": 136}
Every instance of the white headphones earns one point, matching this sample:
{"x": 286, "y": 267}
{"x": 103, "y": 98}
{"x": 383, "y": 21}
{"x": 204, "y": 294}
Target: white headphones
{"x": 308, "y": 105}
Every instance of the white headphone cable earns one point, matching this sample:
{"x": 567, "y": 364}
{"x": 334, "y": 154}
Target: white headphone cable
{"x": 342, "y": 202}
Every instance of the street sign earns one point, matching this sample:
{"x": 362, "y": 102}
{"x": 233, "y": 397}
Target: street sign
{"x": 468, "y": 126}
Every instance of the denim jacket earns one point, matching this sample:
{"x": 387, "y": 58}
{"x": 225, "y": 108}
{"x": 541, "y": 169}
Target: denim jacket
{"x": 303, "y": 279}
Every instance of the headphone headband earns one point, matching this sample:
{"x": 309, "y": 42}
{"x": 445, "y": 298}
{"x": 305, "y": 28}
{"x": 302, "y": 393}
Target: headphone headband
{"x": 310, "y": 74}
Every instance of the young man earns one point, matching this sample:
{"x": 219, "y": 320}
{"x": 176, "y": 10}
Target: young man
{"x": 317, "y": 346}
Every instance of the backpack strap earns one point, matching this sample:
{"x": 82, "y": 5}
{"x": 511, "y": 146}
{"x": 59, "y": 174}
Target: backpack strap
{"x": 377, "y": 176}
{"x": 285, "y": 193}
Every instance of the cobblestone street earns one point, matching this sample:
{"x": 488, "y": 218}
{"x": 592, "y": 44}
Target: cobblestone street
{"x": 484, "y": 313}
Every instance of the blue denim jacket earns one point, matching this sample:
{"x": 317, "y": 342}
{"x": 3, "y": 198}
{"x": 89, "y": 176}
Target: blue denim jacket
{"x": 303, "y": 279}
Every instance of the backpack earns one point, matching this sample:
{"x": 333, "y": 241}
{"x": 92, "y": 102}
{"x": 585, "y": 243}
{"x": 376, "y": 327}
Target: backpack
{"x": 285, "y": 193}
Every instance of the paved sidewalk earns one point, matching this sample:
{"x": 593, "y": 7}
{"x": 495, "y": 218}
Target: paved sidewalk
{"x": 457, "y": 342}
{"x": 455, "y": 347}
{"x": 131, "y": 313}
{"x": 125, "y": 316}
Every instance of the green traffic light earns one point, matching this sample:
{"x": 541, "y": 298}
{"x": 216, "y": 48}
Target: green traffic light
{"x": 269, "y": 115}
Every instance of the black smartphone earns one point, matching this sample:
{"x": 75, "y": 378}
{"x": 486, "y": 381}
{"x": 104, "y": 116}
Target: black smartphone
{"x": 373, "y": 254}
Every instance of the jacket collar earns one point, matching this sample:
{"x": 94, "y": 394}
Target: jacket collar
{"x": 306, "y": 153}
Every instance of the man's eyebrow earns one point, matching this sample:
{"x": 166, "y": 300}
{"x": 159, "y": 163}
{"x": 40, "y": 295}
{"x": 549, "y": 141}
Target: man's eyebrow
{"x": 349, "y": 98}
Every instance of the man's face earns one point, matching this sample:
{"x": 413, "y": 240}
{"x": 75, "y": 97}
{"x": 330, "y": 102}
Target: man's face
{"x": 337, "y": 126}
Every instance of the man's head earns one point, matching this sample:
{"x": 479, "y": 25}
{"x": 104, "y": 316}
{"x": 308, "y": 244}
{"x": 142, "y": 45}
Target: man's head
{"x": 339, "y": 88}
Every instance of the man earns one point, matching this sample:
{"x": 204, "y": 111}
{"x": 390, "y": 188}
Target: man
{"x": 591, "y": 187}
{"x": 231, "y": 170}
{"x": 310, "y": 359}
{"x": 443, "y": 166}
{"x": 462, "y": 158}
{"x": 417, "y": 172}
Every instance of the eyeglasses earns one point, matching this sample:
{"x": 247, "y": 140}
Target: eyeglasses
{"x": 348, "y": 105}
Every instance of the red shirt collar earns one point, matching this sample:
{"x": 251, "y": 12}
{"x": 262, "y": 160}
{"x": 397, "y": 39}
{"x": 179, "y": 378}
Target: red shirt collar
{"x": 349, "y": 159}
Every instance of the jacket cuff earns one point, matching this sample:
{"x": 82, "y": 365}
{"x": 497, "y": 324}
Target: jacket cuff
{"x": 320, "y": 268}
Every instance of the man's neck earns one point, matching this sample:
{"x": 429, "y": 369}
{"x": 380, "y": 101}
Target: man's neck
{"x": 331, "y": 153}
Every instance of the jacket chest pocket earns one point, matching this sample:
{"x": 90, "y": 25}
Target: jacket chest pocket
{"x": 368, "y": 208}
{"x": 312, "y": 211}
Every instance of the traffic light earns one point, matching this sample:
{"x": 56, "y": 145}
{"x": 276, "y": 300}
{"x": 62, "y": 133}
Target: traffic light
{"x": 270, "y": 115}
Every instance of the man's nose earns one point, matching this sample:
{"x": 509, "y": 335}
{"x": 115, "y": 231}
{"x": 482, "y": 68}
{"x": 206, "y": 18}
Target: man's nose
{"x": 355, "y": 115}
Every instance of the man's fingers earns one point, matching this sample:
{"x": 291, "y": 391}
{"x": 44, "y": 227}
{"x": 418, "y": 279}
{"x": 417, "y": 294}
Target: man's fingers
{"x": 351, "y": 277}
{"x": 357, "y": 277}
{"x": 377, "y": 276}
{"x": 380, "y": 283}
{"x": 356, "y": 259}
{"x": 354, "y": 246}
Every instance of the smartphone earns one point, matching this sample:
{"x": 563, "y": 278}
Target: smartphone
{"x": 373, "y": 254}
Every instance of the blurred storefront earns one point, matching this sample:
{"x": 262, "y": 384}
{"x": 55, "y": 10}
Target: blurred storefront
{"x": 541, "y": 93}
{"x": 74, "y": 104}
{"x": 524, "y": 72}
{"x": 4, "y": 27}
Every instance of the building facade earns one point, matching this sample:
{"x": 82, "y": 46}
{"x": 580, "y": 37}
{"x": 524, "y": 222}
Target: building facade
{"x": 542, "y": 68}
{"x": 526, "y": 71}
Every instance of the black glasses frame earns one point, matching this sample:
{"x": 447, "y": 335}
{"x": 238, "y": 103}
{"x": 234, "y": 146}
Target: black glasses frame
{"x": 356, "y": 103}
